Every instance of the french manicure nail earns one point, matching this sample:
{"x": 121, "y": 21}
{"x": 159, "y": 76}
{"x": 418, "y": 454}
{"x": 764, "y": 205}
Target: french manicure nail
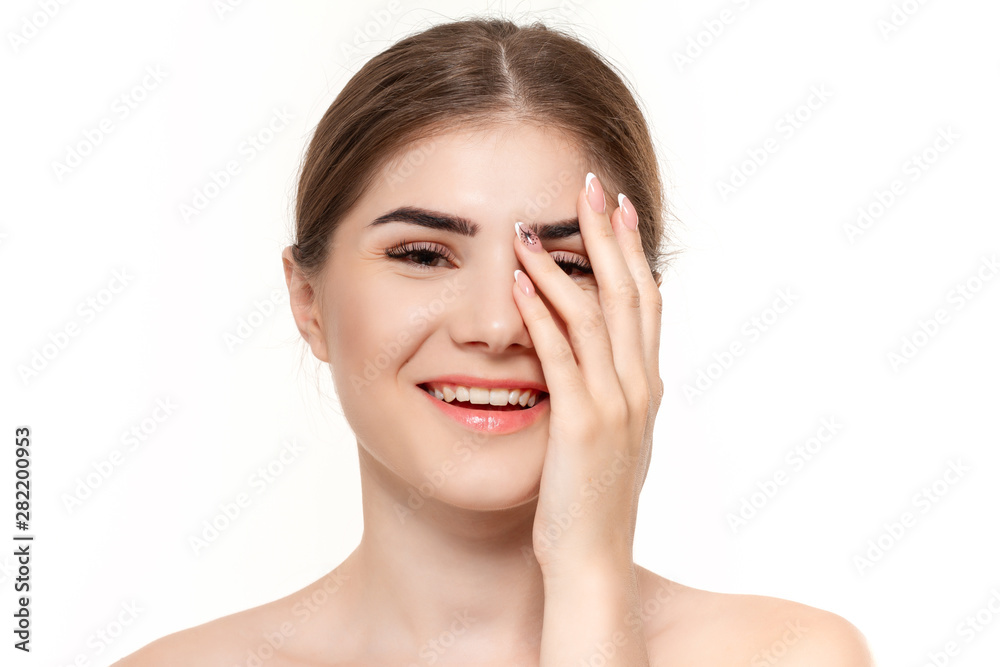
{"x": 595, "y": 193}
{"x": 528, "y": 237}
{"x": 523, "y": 282}
{"x": 629, "y": 216}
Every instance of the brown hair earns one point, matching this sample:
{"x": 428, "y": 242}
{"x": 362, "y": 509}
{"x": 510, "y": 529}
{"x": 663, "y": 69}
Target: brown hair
{"x": 478, "y": 73}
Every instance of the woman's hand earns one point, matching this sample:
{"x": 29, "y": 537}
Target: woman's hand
{"x": 600, "y": 359}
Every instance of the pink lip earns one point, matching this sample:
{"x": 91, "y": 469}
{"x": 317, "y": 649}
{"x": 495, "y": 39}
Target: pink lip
{"x": 494, "y": 422}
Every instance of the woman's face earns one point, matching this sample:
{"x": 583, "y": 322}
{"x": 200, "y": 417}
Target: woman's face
{"x": 390, "y": 325}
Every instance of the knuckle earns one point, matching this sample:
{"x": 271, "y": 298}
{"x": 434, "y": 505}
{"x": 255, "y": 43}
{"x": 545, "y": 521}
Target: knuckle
{"x": 655, "y": 301}
{"x": 538, "y": 316}
{"x": 590, "y": 317}
{"x": 628, "y": 293}
{"x": 563, "y": 354}
{"x": 605, "y": 231}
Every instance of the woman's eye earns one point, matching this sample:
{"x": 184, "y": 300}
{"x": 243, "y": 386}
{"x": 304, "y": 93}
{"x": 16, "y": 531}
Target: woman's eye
{"x": 429, "y": 255}
{"x": 570, "y": 264}
{"x": 423, "y": 255}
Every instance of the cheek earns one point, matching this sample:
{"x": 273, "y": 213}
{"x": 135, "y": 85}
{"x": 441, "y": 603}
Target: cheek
{"x": 377, "y": 324}
{"x": 369, "y": 339}
{"x": 363, "y": 317}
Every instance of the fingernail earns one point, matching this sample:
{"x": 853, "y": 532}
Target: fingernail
{"x": 523, "y": 282}
{"x": 595, "y": 193}
{"x": 528, "y": 237}
{"x": 629, "y": 216}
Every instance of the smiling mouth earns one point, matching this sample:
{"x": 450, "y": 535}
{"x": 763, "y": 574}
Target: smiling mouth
{"x": 479, "y": 399}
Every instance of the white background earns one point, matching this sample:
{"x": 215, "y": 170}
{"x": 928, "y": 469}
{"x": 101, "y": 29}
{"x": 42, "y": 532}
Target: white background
{"x": 163, "y": 337}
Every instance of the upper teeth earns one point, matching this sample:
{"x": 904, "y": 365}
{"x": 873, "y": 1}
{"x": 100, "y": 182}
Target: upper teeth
{"x": 483, "y": 396}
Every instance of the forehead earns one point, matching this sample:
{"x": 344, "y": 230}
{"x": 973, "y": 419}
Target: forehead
{"x": 518, "y": 170}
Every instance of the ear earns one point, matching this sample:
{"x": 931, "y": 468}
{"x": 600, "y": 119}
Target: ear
{"x": 305, "y": 306}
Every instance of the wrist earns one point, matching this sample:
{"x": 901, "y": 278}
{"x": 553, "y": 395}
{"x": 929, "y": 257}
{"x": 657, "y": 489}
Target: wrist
{"x": 588, "y": 612}
{"x": 606, "y": 572}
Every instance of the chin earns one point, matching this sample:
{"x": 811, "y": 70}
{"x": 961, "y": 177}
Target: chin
{"x": 489, "y": 493}
{"x": 497, "y": 476}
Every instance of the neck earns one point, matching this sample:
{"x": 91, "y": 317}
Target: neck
{"x": 425, "y": 571}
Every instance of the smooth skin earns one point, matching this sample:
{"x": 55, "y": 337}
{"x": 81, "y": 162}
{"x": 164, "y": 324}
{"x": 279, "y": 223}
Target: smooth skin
{"x": 508, "y": 561}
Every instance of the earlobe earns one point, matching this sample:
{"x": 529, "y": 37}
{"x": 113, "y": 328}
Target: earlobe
{"x": 305, "y": 306}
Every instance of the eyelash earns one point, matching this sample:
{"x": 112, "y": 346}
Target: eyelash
{"x": 405, "y": 251}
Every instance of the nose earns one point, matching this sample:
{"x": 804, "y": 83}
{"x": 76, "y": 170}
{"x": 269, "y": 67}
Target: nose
{"x": 485, "y": 314}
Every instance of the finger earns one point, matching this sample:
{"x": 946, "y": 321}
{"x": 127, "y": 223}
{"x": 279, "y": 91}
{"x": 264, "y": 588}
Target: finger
{"x": 563, "y": 380}
{"x": 581, "y": 313}
{"x": 651, "y": 308}
{"x": 618, "y": 292}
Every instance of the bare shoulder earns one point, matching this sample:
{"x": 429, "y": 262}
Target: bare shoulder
{"x": 228, "y": 640}
{"x": 280, "y": 633}
{"x": 223, "y": 641}
{"x": 201, "y": 646}
{"x": 705, "y": 628}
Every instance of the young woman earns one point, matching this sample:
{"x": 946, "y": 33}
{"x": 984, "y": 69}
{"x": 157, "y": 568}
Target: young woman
{"x": 480, "y": 219}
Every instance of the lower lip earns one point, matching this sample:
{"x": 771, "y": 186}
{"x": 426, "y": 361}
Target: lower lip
{"x": 495, "y": 422}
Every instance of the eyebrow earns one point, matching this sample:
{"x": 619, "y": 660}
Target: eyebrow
{"x": 458, "y": 225}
